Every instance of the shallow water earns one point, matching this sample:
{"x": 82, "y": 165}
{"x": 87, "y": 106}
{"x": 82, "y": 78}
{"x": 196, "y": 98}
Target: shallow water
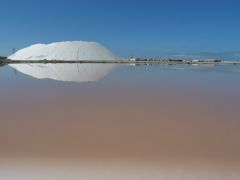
{"x": 119, "y": 122}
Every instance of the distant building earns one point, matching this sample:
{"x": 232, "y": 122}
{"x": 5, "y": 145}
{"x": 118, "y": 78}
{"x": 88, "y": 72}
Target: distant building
{"x": 207, "y": 60}
{"x": 134, "y": 59}
{"x": 195, "y": 60}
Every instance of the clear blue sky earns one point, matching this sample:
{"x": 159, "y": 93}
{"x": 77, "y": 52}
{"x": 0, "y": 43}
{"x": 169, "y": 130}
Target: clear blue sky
{"x": 139, "y": 27}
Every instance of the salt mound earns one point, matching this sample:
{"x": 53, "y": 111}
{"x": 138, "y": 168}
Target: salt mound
{"x": 70, "y": 50}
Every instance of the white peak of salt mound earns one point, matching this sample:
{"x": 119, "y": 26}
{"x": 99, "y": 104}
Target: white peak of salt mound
{"x": 69, "y": 50}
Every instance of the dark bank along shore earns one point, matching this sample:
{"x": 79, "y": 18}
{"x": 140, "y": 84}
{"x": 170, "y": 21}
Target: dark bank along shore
{"x": 3, "y": 58}
{"x": 4, "y": 61}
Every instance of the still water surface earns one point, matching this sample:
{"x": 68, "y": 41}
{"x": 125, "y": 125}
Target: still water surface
{"x": 96, "y": 121}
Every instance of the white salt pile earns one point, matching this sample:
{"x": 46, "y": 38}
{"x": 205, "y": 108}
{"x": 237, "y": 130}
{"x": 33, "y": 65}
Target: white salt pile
{"x": 75, "y": 50}
{"x": 70, "y": 50}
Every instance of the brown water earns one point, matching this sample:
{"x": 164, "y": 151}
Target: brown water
{"x": 159, "y": 122}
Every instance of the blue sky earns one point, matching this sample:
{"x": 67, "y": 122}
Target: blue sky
{"x": 138, "y": 27}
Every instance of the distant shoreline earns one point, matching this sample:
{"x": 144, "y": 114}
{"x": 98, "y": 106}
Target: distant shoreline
{"x": 137, "y": 62}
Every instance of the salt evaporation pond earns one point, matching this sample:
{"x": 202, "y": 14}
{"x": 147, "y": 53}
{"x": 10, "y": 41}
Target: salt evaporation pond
{"x": 120, "y": 122}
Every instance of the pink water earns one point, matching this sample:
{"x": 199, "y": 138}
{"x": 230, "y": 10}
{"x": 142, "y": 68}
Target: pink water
{"x": 136, "y": 123}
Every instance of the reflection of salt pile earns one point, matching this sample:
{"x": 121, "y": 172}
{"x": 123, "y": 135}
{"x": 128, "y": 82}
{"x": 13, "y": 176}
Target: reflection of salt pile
{"x": 66, "y": 72}
{"x": 76, "y": 50}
